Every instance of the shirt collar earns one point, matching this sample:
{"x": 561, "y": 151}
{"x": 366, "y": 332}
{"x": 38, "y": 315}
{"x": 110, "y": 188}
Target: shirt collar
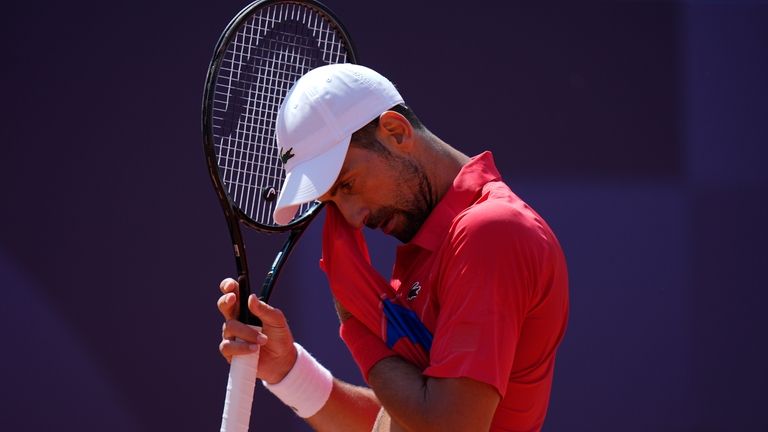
{"x": 466, "y": 186}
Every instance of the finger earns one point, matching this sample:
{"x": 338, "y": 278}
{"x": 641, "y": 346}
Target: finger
{"x": 235, "y": 329}
{"x": 229, "y": 348}
{"x": 227, "y": 305}
{"x": 268, "y": 315}
{"x": 228, "y": 285}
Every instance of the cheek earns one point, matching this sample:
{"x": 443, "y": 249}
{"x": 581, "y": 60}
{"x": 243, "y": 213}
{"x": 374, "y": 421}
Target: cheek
{"x": 386, "y": 186}
{"x": 391, "y": 193}
{"x": 378, "y": 189}
{"x": 348, "y": 204}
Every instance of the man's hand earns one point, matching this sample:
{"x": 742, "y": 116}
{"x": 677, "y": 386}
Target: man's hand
{"x": 278, "y": 354}
{"x": 349, "y": 408}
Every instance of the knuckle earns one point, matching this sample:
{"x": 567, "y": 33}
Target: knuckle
{"x": 222, "y": 304}
{"x": 276, "y": 313}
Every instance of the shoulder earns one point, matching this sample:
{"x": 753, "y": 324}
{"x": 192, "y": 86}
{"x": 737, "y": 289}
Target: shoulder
{"x": 499, "y": 219}
{"x": 498, "y": 241}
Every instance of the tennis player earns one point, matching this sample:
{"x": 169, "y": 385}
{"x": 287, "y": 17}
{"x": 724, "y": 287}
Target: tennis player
{"x": 464, "y": 336}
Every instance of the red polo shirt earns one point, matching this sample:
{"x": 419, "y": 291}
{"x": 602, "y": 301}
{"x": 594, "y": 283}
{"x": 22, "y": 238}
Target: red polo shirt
{"x": 493, "y": 291}
{"x": 482, "y": 288}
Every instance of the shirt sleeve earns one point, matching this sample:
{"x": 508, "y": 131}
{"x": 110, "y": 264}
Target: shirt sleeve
{"x": 486, "y": 275}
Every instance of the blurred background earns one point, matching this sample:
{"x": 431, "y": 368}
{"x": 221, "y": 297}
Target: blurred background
{"x": 637, "y": 129}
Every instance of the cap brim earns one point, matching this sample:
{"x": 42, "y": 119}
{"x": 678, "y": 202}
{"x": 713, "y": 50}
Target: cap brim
{"x": 309, "y": 180}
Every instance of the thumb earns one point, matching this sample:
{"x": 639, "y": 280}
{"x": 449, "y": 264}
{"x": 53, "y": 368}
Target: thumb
{"x": 268, "y": 315}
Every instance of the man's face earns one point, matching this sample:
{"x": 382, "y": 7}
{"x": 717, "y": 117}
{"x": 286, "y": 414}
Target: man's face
{"x": 382, "y": 190}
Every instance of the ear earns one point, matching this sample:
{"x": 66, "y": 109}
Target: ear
{"x": 395, "y": 130}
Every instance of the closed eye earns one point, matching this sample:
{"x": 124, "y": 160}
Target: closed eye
{"x": 344, "y": 182}
{"x": 346, "y": 186}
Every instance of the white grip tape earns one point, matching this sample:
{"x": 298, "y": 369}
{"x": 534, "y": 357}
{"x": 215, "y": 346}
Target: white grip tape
{"x": 242, "y": 380}
{"x": 307, "y": 386}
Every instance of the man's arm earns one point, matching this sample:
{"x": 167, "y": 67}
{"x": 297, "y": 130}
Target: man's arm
{"x": 348, "y": 408}
{"x": 419, "y": 403}
{"x": 411, "y": 400}
{"x": 414, "y": 401}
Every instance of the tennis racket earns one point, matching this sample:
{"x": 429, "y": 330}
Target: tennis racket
{"x": 259, "y": 56}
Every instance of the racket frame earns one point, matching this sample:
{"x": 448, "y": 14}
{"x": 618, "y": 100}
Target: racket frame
{"x": 234, "y": 216}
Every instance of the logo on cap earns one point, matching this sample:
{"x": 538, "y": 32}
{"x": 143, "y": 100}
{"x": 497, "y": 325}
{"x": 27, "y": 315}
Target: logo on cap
{"x": 286, "y": 156}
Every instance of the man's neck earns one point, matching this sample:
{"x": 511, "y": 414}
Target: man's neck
{"x": 442, "y": 164}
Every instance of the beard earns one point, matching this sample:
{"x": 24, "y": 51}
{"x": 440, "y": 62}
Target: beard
{"x": 412, "y": 205}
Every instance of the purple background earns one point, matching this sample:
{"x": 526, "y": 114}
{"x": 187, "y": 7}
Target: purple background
{"x": 636, "y": 128}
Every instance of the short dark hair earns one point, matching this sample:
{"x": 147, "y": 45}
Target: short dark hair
{"x": 365, "y": 137}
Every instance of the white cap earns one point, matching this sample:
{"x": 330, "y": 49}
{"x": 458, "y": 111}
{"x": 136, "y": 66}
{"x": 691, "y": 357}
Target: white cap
{"x": 315, "y": 125}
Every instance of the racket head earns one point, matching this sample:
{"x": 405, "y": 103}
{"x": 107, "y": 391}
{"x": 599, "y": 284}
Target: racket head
{"x": 259, "y": 56}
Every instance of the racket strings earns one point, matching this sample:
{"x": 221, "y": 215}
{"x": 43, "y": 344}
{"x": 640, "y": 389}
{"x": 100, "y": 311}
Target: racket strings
{"x": 268, "y": 53}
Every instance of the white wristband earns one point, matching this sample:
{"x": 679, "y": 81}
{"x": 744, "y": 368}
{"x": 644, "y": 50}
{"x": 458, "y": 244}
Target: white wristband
{"x": 307, "y": 386}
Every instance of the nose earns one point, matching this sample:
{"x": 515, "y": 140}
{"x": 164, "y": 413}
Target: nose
{"x": 354, "y": 211}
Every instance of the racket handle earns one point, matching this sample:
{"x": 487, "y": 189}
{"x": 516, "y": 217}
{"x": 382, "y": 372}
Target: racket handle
{"x": 240, "y": 385}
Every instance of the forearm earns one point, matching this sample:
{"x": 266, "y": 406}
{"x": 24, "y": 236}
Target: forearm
{"x": 349, "y": 408}
{"x": 384, "y": 423}
{"x": 326, "y": 403}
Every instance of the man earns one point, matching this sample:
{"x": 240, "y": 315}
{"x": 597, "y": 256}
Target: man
{"x": 479, "y": 286}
